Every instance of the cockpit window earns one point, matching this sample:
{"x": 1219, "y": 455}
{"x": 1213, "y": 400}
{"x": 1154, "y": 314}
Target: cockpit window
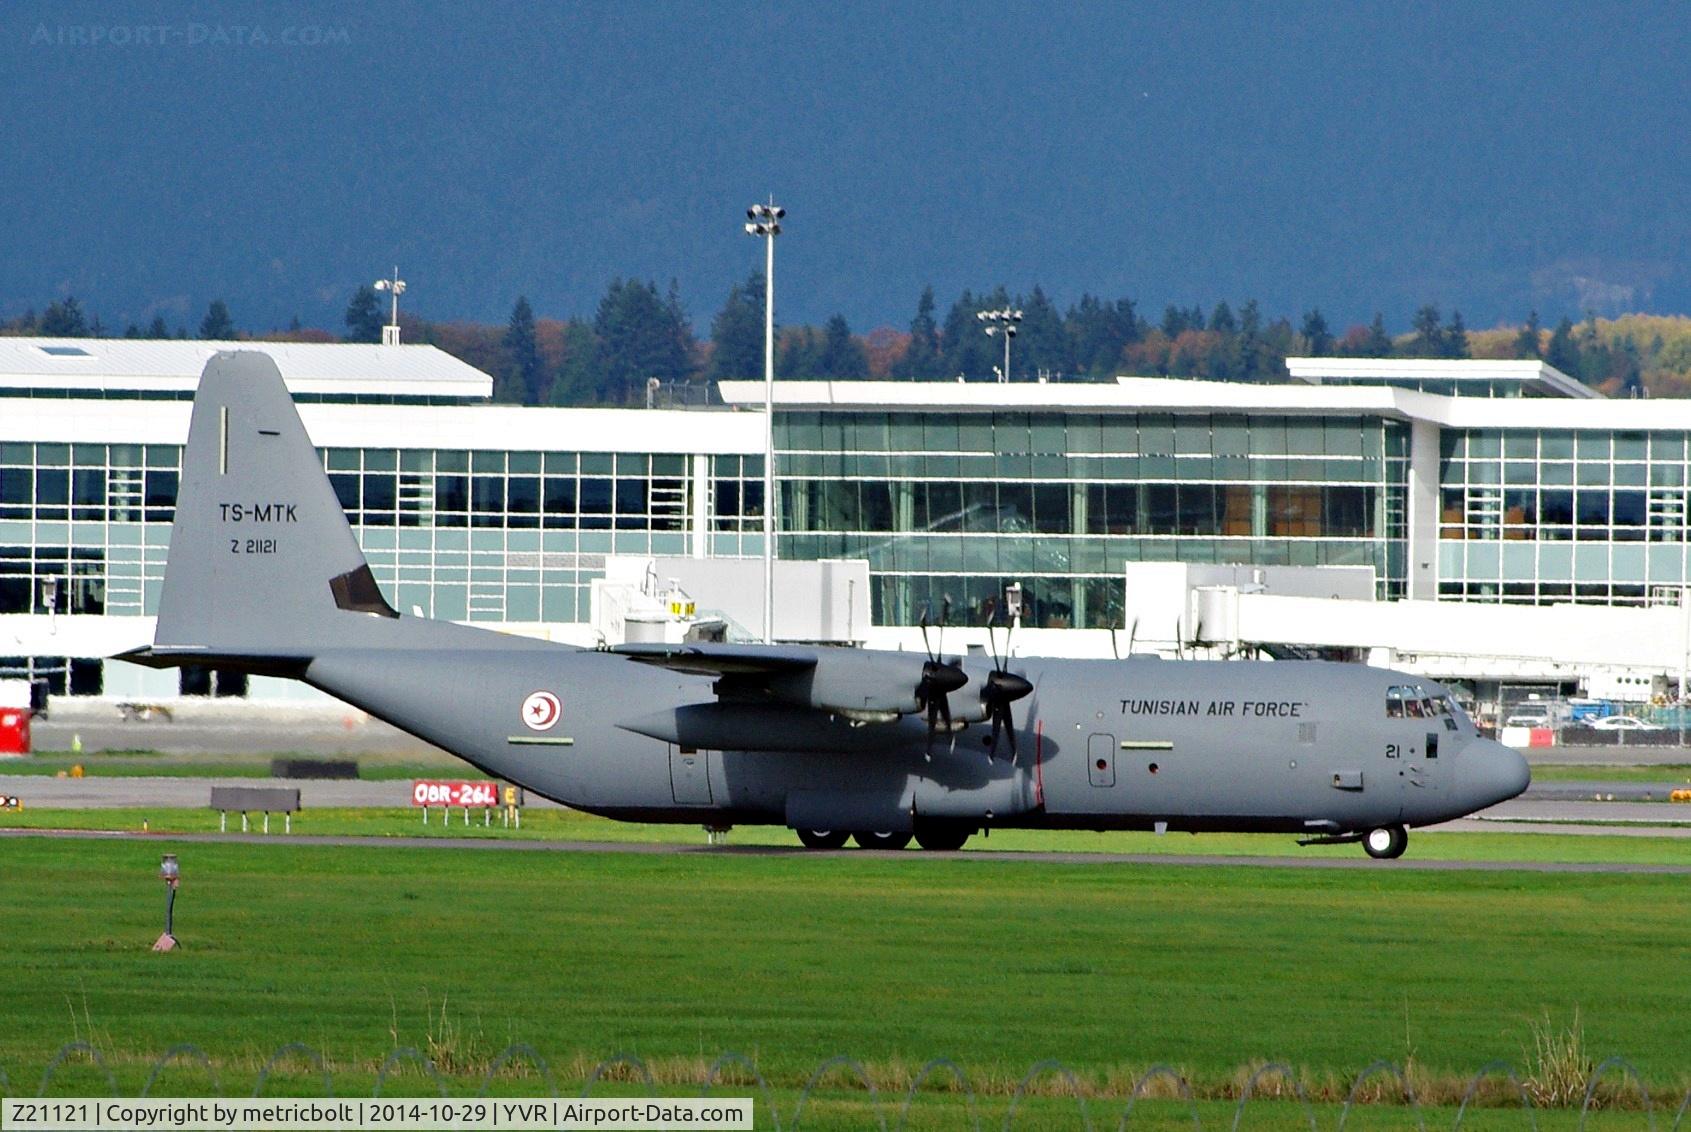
{"x": 1412, "y": 701}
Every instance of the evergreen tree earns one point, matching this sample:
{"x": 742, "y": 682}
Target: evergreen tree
{"x": 1221, "y": 319}
{"x": 1377, "y": 343}
{"x": 1317, "y": 337}
{"x": 1429, "y": 340}
{"x": 64, "y": 320}
{"x": 921, "y": 360}
{"x": 1041, "y": 345}
{"x": 1562, "y": 353}
{"x": 800, "y": 355}
{"x": 157, "y": 328}
{"x": 843, "y": 356}
{"x": 577, "y": 378}
{"x": 736, "y": 333}
{"x": 132, "y": 331}
{"x": 680, "y": 347}
{"x": 525, "y": 373}
{"x": 364, "y": 316}
{"x": 968, "y": 352}
{"x": 1099, "y": 332}
{"x": 1528, "y": 343}
{"x": 1175, "y": 321}
{"x": 1456, "y": 337}
{"x": 1253, "y": 365}
{"x": 217, "y": 326}
{"x": 641, "y": 335}
{"x": 1279, "y": 342}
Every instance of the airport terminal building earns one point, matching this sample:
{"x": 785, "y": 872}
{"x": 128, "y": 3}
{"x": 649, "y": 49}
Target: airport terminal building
{"x": 1474, "y": 485}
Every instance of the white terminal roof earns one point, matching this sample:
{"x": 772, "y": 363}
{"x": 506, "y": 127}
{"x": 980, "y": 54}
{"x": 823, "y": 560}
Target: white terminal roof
{"x": 162, "y": 365}
{"x": 1183, "y": 395}
{"x": 1534, "y": 377}
{"x": 492, "y": 428}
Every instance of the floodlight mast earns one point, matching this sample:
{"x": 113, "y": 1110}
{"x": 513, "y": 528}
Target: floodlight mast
{"x": 1001, "y": 322}
{"x": 396, "y": 287}
{"x": 764, "y": 220}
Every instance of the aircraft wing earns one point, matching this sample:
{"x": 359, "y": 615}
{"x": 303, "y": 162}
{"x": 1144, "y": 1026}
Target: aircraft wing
{"x": 868, "y": 687}
{"x": 723, "y": 660}
{"x": 787, "y": 697}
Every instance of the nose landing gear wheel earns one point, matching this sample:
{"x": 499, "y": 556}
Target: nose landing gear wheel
{"x": 881, "y": 840}
{"x": 1386, "y": 843}
{"x": 822, "y": 838}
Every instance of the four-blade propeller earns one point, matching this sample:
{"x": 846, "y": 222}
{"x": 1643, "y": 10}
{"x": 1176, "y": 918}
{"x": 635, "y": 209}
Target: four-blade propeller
{"x": 1002, "y": 687}
{"x": 939, "y": 680}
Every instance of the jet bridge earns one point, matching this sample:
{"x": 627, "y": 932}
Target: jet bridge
{"x": 1229, "y": 611}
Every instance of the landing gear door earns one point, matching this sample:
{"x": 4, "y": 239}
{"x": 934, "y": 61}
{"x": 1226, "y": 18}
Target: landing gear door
{"x": 689, "y": 776}
{"x": 1101, "y": 759}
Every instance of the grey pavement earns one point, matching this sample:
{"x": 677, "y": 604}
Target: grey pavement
{"x": 225, "y": 727}
{"x": 1410, "y": 864}
{"x": 1609, "y": 756}
{"x": 1549, "y": 810}
{"x": 117, "y": 792}
{"x": 1525, "y": 814}
{"x": 1596, "y": 790}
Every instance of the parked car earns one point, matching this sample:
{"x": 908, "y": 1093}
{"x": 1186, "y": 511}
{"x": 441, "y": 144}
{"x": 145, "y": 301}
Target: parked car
{"x": 1623, "y": 723}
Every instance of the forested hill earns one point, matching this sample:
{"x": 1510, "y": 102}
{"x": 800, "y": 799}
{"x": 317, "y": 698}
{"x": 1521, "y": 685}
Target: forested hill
{"x": 640, "y": 332}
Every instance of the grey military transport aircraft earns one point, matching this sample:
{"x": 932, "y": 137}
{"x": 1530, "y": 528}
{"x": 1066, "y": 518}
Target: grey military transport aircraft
{"x": 265, "y": 576}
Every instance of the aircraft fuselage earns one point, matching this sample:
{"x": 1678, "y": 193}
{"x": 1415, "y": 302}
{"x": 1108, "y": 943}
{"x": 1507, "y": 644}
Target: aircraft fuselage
{"x": 1302, "y": 747}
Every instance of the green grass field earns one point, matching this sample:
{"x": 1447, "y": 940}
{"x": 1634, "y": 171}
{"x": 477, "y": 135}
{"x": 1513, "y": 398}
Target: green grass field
{"x": 1666, "y": 774}
{"x": 791, "y": 960}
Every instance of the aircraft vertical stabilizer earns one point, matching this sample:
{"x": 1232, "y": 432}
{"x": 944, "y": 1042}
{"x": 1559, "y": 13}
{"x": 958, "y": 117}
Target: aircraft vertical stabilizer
{"x": 262, "y": 561}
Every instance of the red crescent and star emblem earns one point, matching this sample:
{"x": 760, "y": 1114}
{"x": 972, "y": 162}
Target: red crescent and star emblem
{"x": 541, "y": 710}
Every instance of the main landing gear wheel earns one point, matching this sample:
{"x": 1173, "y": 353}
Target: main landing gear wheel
{"x": 1386, "y": 843}
{"x": 942, "y": 838}
{"x": 881, "y": 840}
{"x": 823, "y": 838}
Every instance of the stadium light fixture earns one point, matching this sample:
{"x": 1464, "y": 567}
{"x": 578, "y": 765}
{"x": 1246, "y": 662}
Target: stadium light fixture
{"x": 1001, "y": 322}
{"x": 764, "y": 221}
{"x": 395, "y": 286}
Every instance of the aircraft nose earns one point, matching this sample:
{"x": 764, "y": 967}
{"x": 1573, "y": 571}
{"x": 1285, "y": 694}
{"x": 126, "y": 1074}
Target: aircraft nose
{"x": 1492, "y": 773}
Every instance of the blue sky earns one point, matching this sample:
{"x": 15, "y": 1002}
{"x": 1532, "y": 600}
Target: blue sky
{"x": 1353, "y": 157}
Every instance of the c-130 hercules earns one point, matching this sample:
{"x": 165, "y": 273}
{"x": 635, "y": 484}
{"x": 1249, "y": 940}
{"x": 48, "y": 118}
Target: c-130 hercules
{"x": 265, "y": 576}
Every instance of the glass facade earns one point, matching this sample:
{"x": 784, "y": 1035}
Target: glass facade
{"x": 1544, "y": 515}
{"x": 959, "y": 504}
{"x": 951, "y": 503}
{"x": 463, "y": 535}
